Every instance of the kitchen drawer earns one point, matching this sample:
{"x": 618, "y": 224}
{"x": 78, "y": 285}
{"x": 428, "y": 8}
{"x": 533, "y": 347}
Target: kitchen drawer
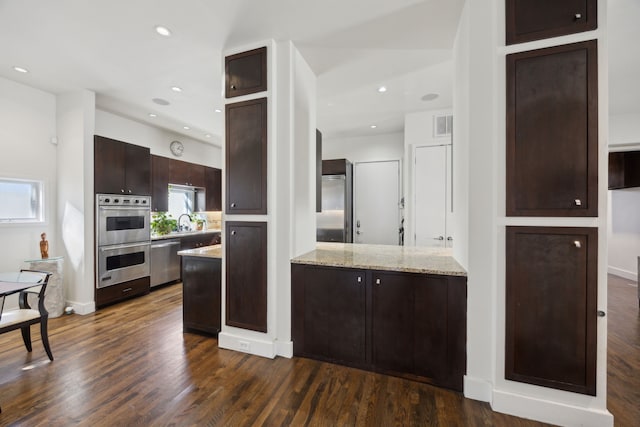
{"x": 122, "y": 291}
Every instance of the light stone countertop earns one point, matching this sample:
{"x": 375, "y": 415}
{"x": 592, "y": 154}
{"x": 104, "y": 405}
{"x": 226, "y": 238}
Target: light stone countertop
{"x": 179, "y": 234}
{"x": 214, "y": 251}
{"x": 407, "y": 259}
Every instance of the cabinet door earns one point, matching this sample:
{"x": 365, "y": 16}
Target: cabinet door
{"x": 551, "y": 290}
{"x": 246, "y": 72}
{"x": 246, "y": 157}
{"x": 393, "y": 322}
{"x": 160, "y": 183}
{"x": 213, "y": 185}
{"x": 201, "y": 278}
{"x": 552, "y": 131}
{"x": 528, "y": 20}
{"x": 179, "y": 172}
{"x": 137, "y": 170}
{"x": 246, "y": 275}
{"x": 109, "y": 165}
{"x": 196, "y": 175}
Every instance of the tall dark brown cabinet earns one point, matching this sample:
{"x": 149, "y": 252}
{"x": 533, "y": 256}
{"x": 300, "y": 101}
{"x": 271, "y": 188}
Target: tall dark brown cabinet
{"x": 246, "y": 275}
{"x": 121, "y": 168}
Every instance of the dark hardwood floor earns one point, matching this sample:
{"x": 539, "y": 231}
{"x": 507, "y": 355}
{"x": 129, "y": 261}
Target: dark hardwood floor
{"x": 131, "y": 364}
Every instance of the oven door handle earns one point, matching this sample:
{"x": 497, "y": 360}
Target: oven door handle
{"x": 125, "y": 246}
{"x": 121, "y": 208}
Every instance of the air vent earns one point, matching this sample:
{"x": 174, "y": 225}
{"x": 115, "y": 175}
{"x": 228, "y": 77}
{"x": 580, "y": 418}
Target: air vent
{"x": 442, "y": 126}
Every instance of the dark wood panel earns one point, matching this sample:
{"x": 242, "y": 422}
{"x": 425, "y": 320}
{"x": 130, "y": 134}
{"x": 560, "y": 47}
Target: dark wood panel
{"x": 246, "y": 72}
{"x": 137, "y": 170}
{"x": 160, "y": 183}
{"x": 246, "y": 275}
{"x": 552, "y": 131}
{"x": 318, "y": 171}
{"x": 551, "y": 310}
{"x": 122, "y": 291}
{"x": 199, "y": 240}
{"x": 179, "y": 172}
{"x": 624, "y": 169}
{"x": 246, "y": 157}
{"x": 213, "y": 185}
{"x": 528, "y": 20}
{"x": 109, "y": 165}
{"x": 334, "y": 166}
{"x": 201, "y": 297}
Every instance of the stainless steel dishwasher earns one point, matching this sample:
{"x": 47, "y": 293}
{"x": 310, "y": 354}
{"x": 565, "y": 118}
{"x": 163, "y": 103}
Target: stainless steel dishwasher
{"x": 165, "y": 262}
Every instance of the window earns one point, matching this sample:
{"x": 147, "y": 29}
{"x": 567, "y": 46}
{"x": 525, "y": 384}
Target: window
{"x": 21, "y": 200}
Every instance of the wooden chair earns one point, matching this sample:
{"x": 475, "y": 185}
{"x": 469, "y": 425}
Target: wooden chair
{"x": 23, "y": 317}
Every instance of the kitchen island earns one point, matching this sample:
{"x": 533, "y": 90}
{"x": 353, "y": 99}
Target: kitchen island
{"x": 201, "y": 288}
{"x": 390, "y": 309}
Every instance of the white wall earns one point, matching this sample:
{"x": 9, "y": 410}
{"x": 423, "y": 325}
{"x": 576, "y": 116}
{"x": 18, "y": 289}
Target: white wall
{"x": 364, "y": 148}
{"x": 158, "y": 140}
{"x": 27, "y": 124}
{"x": 624, "y": 205}
{"x": 75, "y": 117}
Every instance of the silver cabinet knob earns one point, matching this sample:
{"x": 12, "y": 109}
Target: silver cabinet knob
{"x": 122, "y": 190}
{"x": 577, "y": 243}
{"x": 439, "y": 238}
{"x": 359, "y": 279}
{"x": 233, "y": 205}
{"x": 578, "y": 15}
{"x": 233, "y": 87}
{"x": 129, "y": 191}
{"x": 378, "y": 281}
{"x": 233, "y": 232}
{"x": 578, "y": 202}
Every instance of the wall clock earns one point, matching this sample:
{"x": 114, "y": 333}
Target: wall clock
{"x": 176, "y": 148}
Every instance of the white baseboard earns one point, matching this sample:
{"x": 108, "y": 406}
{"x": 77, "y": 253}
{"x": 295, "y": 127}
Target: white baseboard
{"x": 284, "y": 349}
{"x": 82, "y": 307}
{"x": 477, "y": 389}
{"x": 243, "y": 344}
{"x": 629, "y": 275}
{"x": 548, "y": 411}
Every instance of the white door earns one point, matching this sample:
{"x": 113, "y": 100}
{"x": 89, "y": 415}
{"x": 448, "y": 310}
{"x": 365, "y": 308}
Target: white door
{"x": 376, "y": 202}
{"x": 431, "y": 190}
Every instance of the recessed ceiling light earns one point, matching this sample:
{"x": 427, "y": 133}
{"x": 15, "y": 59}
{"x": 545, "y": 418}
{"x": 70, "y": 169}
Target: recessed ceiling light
{"x": 430, "y": 97}
{"x": 153, "y": 115}
{"x": 373, "y": 126}
{"x": 160, "y": 101}
{"x": 208, "y": 135}
{"x": 186, "y": 127}
{"x": 20, "y": 69}
{"x": 163, "y": 31}
{"x": 382, "y": 89}
{"x": 218, "y": 110}
{"x": 176, "y": 88}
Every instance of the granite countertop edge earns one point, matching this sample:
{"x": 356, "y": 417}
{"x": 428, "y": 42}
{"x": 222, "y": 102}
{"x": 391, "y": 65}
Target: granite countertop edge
{"x": 213, "y": 251}
{"x": 177, "y": 235}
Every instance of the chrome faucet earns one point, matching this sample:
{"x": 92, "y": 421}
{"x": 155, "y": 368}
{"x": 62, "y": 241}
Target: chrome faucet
{"x": 184, "y": 227}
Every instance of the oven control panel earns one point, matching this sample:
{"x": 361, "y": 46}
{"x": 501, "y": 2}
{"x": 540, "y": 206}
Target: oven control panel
{"x": 120, "y": 200}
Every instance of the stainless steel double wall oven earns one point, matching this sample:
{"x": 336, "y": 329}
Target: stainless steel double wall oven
{"x": 123, "y": 238}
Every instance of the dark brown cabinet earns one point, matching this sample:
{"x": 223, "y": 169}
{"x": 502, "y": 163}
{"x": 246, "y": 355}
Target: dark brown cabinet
{"x": 121, "y": 168}
{"x": 122, "y": 291}
{"x": 410, "y": 325}
{"x": 185, "y": 173}
{"x": 201, "y": 294}
{"x": 246, "y": 72}
{"x": 551, "y": 307}
{"x": 213, "y": 186}
{"x": 552, "y": 131}
{"x": 246, "y": 275}
{"x": 199, "y": 240}
{"x": 246, "y": 157}
{"x": 624, "y": 169}
{"x": 160, "y": 183}
{"x": 528, "y": 20}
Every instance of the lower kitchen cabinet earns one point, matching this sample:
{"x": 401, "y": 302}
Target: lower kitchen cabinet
{"x": 551, "y": 307}
{"x": 201, "y": 293}
{"x": 122, "y": 291}
{"x": 404, "y": 324}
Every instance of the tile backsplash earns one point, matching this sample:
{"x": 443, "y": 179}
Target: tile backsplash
{"x": 214, "y": 219}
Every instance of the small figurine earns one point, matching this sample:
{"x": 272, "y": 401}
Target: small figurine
{"x": 44, "y": 246}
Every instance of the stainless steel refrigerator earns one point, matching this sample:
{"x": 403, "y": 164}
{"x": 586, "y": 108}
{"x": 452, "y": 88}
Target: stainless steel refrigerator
{"x": 334, "y": 222}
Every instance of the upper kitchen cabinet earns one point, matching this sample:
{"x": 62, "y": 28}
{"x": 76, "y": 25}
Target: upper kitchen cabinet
{"x": 624, "y": 169}
{"x": 185, "y": 173}
{"x": 213, "y": 184}
{"x": 246, "y": 73}
{"x": 121, "y": 168}
{"x": 552, "y": 131}
{"x": 528, "y": 20}
{"x": 160, "y": 183}
{"x": 246, "y": 157}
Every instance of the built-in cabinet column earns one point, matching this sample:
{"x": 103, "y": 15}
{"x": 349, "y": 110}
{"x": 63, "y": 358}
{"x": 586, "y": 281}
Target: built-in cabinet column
{"x": 551, "y": 171}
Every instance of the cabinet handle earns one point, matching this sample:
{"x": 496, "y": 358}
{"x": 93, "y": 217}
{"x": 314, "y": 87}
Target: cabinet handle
{"x": 126, "y": 290}
{"x": 577, "y": 243}
{"x": 233, "y": 87}
{"x": 577, "y": 16}
{"x": 129, "y": 191}
{"x": 359, "y": 279}
{"x": 438, "y": 238}
{"x": 377, "y": 281}
{"x": 233, "y": 205}
{"x": 233, "y": 232}
{"x": 578, "y": 202}
{"x": 601, "y": 313}
{"x": 122, "y": 190}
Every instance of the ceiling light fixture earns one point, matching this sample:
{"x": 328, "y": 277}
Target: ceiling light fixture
{"x": 176, "y": 88}
{"x": 430, "y": 97}
{"x": 186, "y": 127}
{"x": 382, "y": 89}
{"x": 208, "y": 135}
{"x": 160, "y": 101}
{"x": 373, "y": 126}
{"x": 163, "y": 31}
{"x": 218, "y": 110}
{"x": 20, "y": 69}
{"x": 153, "y": 115}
